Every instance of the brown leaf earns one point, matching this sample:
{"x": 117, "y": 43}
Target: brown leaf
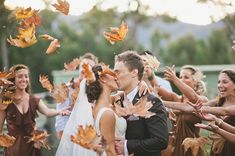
{"x": 40, "y": 137}
{"x": 195, "y": 144}
{"x": 218, "y": 142}
{"x": 6, "y": 140}
{"x": 116, "y": 34}
{"x": 71, "y": 66}
{"x": 53, "y": 46}
{"x": 60, "y": 93}
{"x": 88, "y": 73}
{"x": 22, "y": 13}
{"x": 43, "y": 79}
{"x": 62, "y": 6}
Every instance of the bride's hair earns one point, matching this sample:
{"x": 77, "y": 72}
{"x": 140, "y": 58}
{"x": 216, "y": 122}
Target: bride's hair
{"x": 94, "y": 89}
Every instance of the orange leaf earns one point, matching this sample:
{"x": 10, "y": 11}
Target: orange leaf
{"x": 60, "y": 93}
{"x": 25, "y": 38}
{"x": 6, "y": 140}
{"x": 107, "y": 70}
{"x": 87, "y": 138}
{"x": 71, "y": 66}
{"x": 33, "y": 20}
{"x": 47, "y": 37}
{"x": 195, "y": 144}
{"x": 53, "y": 46}
{"x": 22, "y": 13}
{"x": 88, "y": 73}
{"x": 45, "y": 83}
{"x": 40, "y": 137}
{"x": 62, "y": 6}
{"x": 116, "y": 34}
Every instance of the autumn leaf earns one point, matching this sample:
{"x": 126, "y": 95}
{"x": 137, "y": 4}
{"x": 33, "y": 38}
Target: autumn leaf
{"x": 195, "y": 144}
{"x": 88, "y": 73}
{"x": 218, "y": 142}
{"x": 47, "y": 37}
{"x": 107, "y": 70}
{"x": 62, "y": 6}
{"x": 22, "y": 13}
{"x": 73, "y": 65}
{"x": 5, "y": 103}
{"x": 87, "y": 138}
{"x": 39, "y": 137}
{"x": 60, "y": 93}
{"x": 141, "y": 108}
{"x": 25, "y": 38}
{"x": 53, "y": 46}
{"x": 6, "y": 140}
{"x": 43, "y": 79}
{"x": 152, "y": 61}
{"x": 33, "y": 20}
{"x": 116, "y": 34}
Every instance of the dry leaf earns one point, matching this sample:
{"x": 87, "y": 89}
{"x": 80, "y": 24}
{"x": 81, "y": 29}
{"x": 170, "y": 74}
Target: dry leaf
{"x": 88, "y": 73}
{"x": 195, "y": 144}
{"x": 22, "y": 13}
{"x": 60, "y": 93}
{"x": 62, "y": 6}
{"x": 6, "y": 140}
{"x": 53, "y": 46}
{"x": 40, "y": 137}
{"x": 33, "y": 20}
{"x": 71, "y": 66}
{"x": 43, "y": 79}
{"x": 218, "y": 142}
{"x": 107, "y": 70}
{"x": 47, "y": 37}
{"x": 87, "y": 138}
{"x": 152, "y": 61}
{"x": 25, "y": 38}
{"x": 139, "y": 109}
{"x": 116, "y": 34}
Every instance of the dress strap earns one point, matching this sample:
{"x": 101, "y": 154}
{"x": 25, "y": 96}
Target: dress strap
{"x": 99, "y": 115}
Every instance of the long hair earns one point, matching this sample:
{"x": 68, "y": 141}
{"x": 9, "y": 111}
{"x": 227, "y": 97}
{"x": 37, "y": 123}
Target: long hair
{"x": 18, "y": 67}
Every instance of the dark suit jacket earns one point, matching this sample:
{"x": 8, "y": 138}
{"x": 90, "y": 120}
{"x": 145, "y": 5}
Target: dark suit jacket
{"x": 148, "y": 136}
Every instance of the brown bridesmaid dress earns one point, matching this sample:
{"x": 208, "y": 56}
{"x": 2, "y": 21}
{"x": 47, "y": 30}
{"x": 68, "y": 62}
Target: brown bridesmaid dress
{"x": 21, "y": 127}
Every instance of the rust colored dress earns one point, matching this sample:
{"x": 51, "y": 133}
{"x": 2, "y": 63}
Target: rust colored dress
{"x": 185, "y": 128}
{"x": 229, "y": 148}
{"x": 21, "y": 126}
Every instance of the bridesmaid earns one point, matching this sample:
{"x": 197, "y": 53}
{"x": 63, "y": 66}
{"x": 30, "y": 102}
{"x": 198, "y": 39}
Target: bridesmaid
{"x": 20, "y": 115}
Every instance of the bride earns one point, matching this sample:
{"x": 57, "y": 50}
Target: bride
{"x": 105, "y": 121}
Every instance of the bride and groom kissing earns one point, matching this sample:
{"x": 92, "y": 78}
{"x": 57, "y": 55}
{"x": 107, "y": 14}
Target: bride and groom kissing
{"x": 124, "y": 136}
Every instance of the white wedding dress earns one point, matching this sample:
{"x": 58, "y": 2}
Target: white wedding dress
{"x": 82, "y": 115}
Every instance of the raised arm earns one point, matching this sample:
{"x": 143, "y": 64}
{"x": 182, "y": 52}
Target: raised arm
{"x": 42, "y": 108}
{"x": 2, "y": 120}
{"x": 169, "y": 73}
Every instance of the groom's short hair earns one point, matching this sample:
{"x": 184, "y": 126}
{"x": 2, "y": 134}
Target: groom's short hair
{"x": 132, "y": 60}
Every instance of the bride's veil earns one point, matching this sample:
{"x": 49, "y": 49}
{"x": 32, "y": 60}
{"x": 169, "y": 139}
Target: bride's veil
{"x": 80, "y": 115}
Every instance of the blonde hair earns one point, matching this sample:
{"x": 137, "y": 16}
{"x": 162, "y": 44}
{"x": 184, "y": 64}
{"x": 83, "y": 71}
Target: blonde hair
{"x": 197, "y": 75}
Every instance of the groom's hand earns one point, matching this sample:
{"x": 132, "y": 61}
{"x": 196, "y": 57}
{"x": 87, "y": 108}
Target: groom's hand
{"x": 119, "y": 146}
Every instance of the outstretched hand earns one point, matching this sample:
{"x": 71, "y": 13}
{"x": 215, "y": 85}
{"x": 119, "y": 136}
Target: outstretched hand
{"x": 209, "y": 127}
{"x": 169, "y": 73}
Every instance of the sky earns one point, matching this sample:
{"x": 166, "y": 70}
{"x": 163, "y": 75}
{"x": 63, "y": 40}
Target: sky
{"x": 187, "y": 11}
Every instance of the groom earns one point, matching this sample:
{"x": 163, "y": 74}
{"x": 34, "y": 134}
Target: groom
{"x": 144, "y": 136}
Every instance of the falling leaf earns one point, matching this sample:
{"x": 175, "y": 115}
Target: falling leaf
{"x": 40, "y": 137}
{"x": 152, "y": 61}
{"x": 71, "y": 66}
{"x": 25, "y": 38}
{"x": 53, "y": 46}
{"x": 141, "y": 108}
{"x": 6, "y": 140}
{"x": 43, "y": 79}
{"x": 62, "y": 6}
{"x": 33, "y": 20}
{"x": 218, "y": 142}
{"x": 22, "y": 13}
{"x": 107, "y": 70}
{"x": 195, "y": 144}
{"x": 88, "y": 73}
{"x": 116, "y": 34}
{"x": 47, "y": 37}
{"x": 87, "y": 138}
{"x": 60, "y": 93}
